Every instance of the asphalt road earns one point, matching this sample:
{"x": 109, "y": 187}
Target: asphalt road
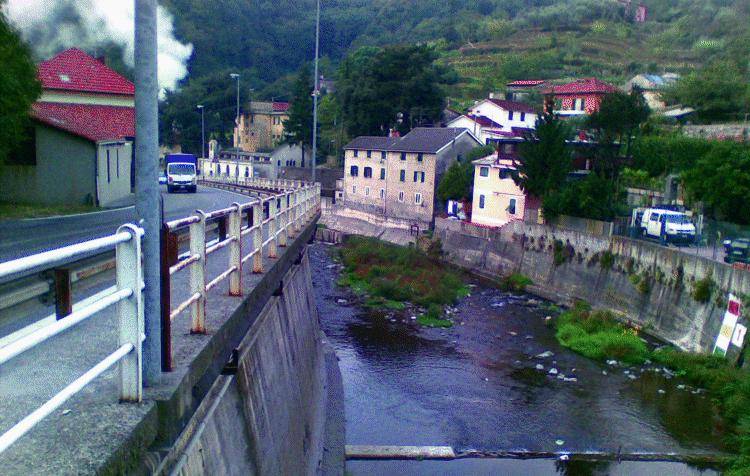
{"x": 20, "y": 238}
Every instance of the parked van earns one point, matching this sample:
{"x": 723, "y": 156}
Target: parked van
{"x": 669, "y": 226}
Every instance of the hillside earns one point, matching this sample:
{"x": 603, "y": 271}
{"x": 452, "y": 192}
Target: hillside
{"x": 486, "y": 42}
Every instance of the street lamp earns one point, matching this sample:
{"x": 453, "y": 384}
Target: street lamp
{"x": 237, "y": 119}
{"x": 316, "y": 92}
{"x": 203, "y": 130}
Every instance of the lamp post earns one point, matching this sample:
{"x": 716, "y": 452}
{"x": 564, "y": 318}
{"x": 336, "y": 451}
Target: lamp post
{"x": 316, "y": 92}
{"x": 203, "y": 131}
{"x": 237, "y": 119}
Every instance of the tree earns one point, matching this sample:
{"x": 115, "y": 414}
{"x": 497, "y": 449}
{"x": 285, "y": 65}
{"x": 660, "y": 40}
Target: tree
{"x": 545, "y": 158}
{"x": 298, "y": 128}
{"x": 19, "y": 88}
{"x": 395, "y": 87}
{"x": 458, "y": 181}
{"x": 718, "y": 91}
{"x": 619, "y": 118}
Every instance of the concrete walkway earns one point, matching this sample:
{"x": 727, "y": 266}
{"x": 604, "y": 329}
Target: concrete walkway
{"x": 90, "y": 430}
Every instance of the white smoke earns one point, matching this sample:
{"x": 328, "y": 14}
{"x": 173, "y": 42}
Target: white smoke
{"x": 52, "y": 25}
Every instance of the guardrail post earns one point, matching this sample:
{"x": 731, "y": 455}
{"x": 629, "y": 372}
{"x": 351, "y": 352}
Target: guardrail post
{"x": 169, "y": 257}
{"x": 130, "y": 313}
{"x": 258, "y": 237}
{"x": 63, "y": 293}
{"x": 198, "y": 273}
{"x": 297, "y": 212}
{"x": 235, "y": 251}
{"x": 272, "y": 227}
{"x": 283, "y": 219}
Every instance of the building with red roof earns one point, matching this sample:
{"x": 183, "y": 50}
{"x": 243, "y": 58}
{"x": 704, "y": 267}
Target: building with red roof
{"x": 495, "y": 117}
{"x": 80, "y": 146}
{"x": 579, "y": 97}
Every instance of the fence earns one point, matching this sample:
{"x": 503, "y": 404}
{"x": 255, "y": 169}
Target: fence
{"x": 286, "y": 208}
{"x": 126, "y": 295}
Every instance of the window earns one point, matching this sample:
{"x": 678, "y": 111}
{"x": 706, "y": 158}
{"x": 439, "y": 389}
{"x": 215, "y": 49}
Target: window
{"x": 247, "y": 172}
{"x": 382, "y": 155}
{"x": 382, "y": 193}
{"x": 382, "y": 174}
{"x": 400, "y": 196}
{"x": 510, "y": 115}
{"x": 416, "y": 176}
{"x": 109, "y": 177}
{"x": 419, "y": 177}
{"x": 484, "y": 171}
{"x": 403, "y": 155}
{"x": 356, "y": 153}
{"x": 420, "y": 157}
{"x": 367, "y": 191}
{"x": 368, "y": 172}
{"x": 504, "y": 174}
{"x": 418, "y": 198}
{"x": 369, "y": 154}
{"x": 508, "y": 148}
{"x": 512, "y": 206}
{"x": 523, "y": 116}
{"x": 403, "y": 175}
{"x": 354, "y": 171}
{"x": 422, "y": 177}
{"x": 579, "y": 104}
{"x": 354, "y": 189}
{"x": 481, "y": 201}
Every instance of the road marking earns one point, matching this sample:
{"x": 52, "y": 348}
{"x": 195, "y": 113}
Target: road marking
{"x": 58, "y": 217}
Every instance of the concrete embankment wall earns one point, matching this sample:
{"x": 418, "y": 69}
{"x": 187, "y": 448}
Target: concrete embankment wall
{"x": 269, "y": 417}
{"x": 600, "y": 270}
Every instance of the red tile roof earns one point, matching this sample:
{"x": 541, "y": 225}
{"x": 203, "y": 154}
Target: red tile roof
{"x": 512, "y": 105}
{"x": 280, "y": 106}
{"x": 74, "y": 70}
{"x": 95, "y": 123}
{"x": 587, "y": 85}
{"x": 527, "y": 82}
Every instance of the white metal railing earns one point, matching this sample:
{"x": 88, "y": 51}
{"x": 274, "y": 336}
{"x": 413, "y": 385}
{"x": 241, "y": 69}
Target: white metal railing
{"x": 289, "y": 205}
{"x": 126, "y": 295}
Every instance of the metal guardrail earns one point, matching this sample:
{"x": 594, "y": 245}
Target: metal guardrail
{"x": 126, "y": 295}
{"x": 285, "y": 208}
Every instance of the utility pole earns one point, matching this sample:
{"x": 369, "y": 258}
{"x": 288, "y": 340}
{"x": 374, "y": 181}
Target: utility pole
{"x": 203, "y": 131}
{"x": 237, "y": 119}
{"x": 316, "y": 92}
{"x": 147, "y": 196}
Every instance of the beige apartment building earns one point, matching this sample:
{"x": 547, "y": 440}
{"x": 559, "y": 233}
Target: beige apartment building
{"x": 261, "y": 127}
{"x": 394, "y": 178}
{"x": 497, "y": 199}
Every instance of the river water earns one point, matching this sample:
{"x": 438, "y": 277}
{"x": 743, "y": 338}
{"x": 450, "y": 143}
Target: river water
{"x": 477, "y": 386}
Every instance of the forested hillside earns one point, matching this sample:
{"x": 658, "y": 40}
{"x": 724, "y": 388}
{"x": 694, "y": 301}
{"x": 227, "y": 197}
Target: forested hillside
{"x": 486, "y": 42}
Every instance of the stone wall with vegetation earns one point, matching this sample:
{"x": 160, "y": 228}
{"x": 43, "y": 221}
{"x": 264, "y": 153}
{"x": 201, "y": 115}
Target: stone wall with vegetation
{"x": 671, "y": 294}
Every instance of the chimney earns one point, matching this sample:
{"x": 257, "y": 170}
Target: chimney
{"x": 492, "y": 95}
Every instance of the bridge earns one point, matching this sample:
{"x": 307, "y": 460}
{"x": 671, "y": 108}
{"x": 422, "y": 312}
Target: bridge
{"x": 246, "y": 381}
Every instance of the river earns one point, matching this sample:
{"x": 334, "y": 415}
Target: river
{"x": 478, "y": 386}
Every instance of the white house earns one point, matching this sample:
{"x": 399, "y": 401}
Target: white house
{"x": 509, "y": 114}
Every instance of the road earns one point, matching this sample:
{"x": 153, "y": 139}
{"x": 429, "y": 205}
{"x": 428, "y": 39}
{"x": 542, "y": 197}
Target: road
{"x": 25, "y": 237}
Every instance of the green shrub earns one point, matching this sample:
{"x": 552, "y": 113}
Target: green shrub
{"x": 559, "y": 252}
{"x": 434, "y": 317}
{"x": 607, "y": 260}
{"x": 516, "y": 282}
{"x": 703, "y": 288}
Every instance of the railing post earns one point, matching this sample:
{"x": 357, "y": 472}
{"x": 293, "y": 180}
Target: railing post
{"x": 169, "y": 257}
{"x": 198, "y": 273}
{"x": 235, "y": 251}
{"x": 258, "y": 237}
{"x": 283, "y": 220}
{"x": 63, "y": 293}
{"x": 221, "y": 228}
{"x": 297, "y": 211}
{"x": 130, "y": 313}
{"x": 272, "y": 227}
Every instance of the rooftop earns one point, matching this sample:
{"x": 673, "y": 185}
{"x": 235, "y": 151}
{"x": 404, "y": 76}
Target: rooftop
{"x": 586, "y": 85}
{"x": 421, "y": 139}
{"x": 95, "y": 123}
{"x": 512, "y": 105}
{"x": 525, "y": 83}
{"x": 74, "y": 70}
{"x": 260, "y": 107}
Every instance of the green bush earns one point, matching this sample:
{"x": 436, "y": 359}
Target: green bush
{"x": 434, "y": 317}
{"x": 607, "y": 260}
{"x": 703, "y": 288}
{"x": 516, "y": 282}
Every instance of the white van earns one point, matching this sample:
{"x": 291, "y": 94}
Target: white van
{"x": 181, "y": 175}
{"x": 669, "y": 226}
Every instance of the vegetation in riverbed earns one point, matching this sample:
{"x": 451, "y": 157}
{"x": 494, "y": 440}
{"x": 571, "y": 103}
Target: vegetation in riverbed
{"x": 434, "y": 317}
{"x": 392, "y": 275}
{"x": 516, "y": 282}
{"x": 598, "y": 335}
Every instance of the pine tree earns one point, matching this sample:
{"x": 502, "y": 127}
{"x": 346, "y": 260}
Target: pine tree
{"x": 298, "y": 128}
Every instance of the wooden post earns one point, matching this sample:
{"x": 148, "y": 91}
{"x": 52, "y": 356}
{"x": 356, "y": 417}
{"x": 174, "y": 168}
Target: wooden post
{"x": 63, "y": 293}
{"x": 169, "y": 257}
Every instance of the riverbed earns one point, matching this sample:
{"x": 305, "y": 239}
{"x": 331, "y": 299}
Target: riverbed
{"x": 498, "y": 380}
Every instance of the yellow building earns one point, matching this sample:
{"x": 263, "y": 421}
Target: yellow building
{"x": 497, "y": 199}
{"x": 261, "y": 127}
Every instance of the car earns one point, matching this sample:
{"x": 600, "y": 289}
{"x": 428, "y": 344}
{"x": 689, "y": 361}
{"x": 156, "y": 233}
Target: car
{"x": 667, "y": 225}
{"x": 738, "y": 251}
